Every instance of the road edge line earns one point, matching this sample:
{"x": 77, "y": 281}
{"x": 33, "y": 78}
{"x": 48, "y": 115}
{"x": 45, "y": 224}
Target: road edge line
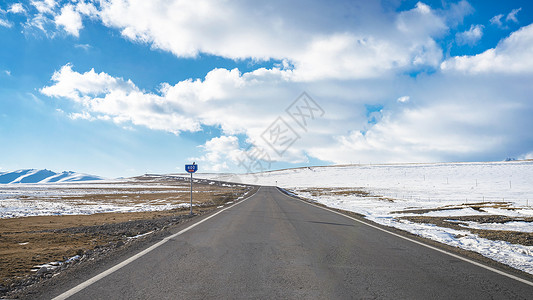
{"x": 124, "y": 263}
{"x": 418, "y": 242}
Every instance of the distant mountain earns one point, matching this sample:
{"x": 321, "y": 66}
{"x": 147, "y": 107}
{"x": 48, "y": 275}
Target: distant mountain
{"x": 43, "y": 176}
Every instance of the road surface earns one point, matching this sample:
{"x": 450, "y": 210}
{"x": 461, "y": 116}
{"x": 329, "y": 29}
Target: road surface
{"x": 272, "y": 246}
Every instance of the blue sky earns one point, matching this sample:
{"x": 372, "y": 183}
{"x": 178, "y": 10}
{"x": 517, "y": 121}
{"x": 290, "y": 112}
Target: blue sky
{"x": 122, "y": 88}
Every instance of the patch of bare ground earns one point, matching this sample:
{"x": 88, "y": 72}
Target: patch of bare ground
{"x": 344, "y": 192}
{"x": 514, "y": 237}
{"x": 476, "y": 206}
{"x": 40, "y": 240}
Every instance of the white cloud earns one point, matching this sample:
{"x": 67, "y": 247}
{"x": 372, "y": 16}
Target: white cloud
{"x": 372, "y": 43}
{"x": 218, "y": 152}
{"x": 497, "y": 20}
{"x": 16, "y": 8}
{"x": 238, "y": 103}
{"x": 512, "y": 15}
{"x": 70, "y": 20}
{"x": 347, "y": 56}
{"x": 471, "y": 36}
{"x": 120, "y": 100}
{"x": 83, "y": 116}
{"x": 314, "y": 47}
{"x": 5, "y": 23}
{"x": 81, "y": 87}
{"x": 465, "y": 119}
{"x": 45, "y": 6}
{"x": 456, "y": 12}
{"x": 421, "y": 22}
{"x": 7, "y": 72}
{"x": 527, "y": 156}
{"x": 87, "y": 9}
{"x": 511, "y": 55}
{"x": 43, "y": 20}
{"x": 307, "y": 39}
{"x": 404, "y": 99}
{"x": 85, "y": 47}
{"x": 457, "y": 115}
{"x": 473, "y": 119}
{"x": 52, "y": 16}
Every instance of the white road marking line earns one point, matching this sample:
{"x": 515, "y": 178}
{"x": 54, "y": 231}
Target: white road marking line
{"x": 425, "y": 245}
{"x": 109, "y": 271}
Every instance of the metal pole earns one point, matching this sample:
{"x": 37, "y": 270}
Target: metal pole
{"x": 191, "y": 193}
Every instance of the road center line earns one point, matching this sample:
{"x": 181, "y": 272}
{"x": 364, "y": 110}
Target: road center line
{"x": 422, "y": 244}
{"x": 109, "y": 271}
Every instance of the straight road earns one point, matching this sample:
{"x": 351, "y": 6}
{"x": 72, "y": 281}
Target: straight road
{"x": 272, "y": 246}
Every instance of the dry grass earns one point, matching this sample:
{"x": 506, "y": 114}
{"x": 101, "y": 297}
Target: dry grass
{"x": 476, "y": 206}
{"x": 514, "y": 237}
{"x": 343, "y": 192}
{"x": 26, "y": 242}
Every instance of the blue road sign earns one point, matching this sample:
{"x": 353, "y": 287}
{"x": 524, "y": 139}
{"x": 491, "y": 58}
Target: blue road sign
{"x": 191, "y": 168}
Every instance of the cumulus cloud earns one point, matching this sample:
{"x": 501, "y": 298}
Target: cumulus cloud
{"x": 83, "y": 116}
{"x": 52, "y": 17}
{"x": 45, "y": 6}
{"x": 346, "y": 68}
{"x": 235, "y": 102}
{"x": 16, "y": 8}
{"x": 468, "y": 120}
{"x": 118, "y": 99}
{"x": 512, "y": 15}
{"x": 456, "y": 12}
{"x": 218, "y": 153}
{"x": 369, "y": 44}
{"x": 69, "y": 19}
{"x": 421, "y": 22}
{"x": 478, "y": 117}
{"x": 511, "y": 55}
{"x": 43, "y": 19}
{"x": 309, "y": 41}
{"x": 497, "y": 20}
{"x": 471, "y": 36}
{"x": 87, "y": 9}
{"x": 404, "y": 99}
{"x": 5, "y": 23}
{"x": 80, "y": 87}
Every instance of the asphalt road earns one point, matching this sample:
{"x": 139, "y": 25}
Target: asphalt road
{"x": 274, "y": 247}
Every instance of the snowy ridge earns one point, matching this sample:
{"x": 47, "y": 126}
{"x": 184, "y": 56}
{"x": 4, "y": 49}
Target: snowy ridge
{"x": 43, "y": 176}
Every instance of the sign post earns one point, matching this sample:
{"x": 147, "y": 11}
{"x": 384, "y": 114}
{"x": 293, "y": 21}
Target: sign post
{"x": 191, "y": 169}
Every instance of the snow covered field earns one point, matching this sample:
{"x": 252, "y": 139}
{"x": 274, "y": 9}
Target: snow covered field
{"x": 389, "y": 193}
{"x": 141, "y": 194}
{"x": 82, "y": 198}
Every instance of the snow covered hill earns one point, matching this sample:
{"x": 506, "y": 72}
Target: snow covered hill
{"x": 43, "y": 176}
{"x": 430, "y": 182}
